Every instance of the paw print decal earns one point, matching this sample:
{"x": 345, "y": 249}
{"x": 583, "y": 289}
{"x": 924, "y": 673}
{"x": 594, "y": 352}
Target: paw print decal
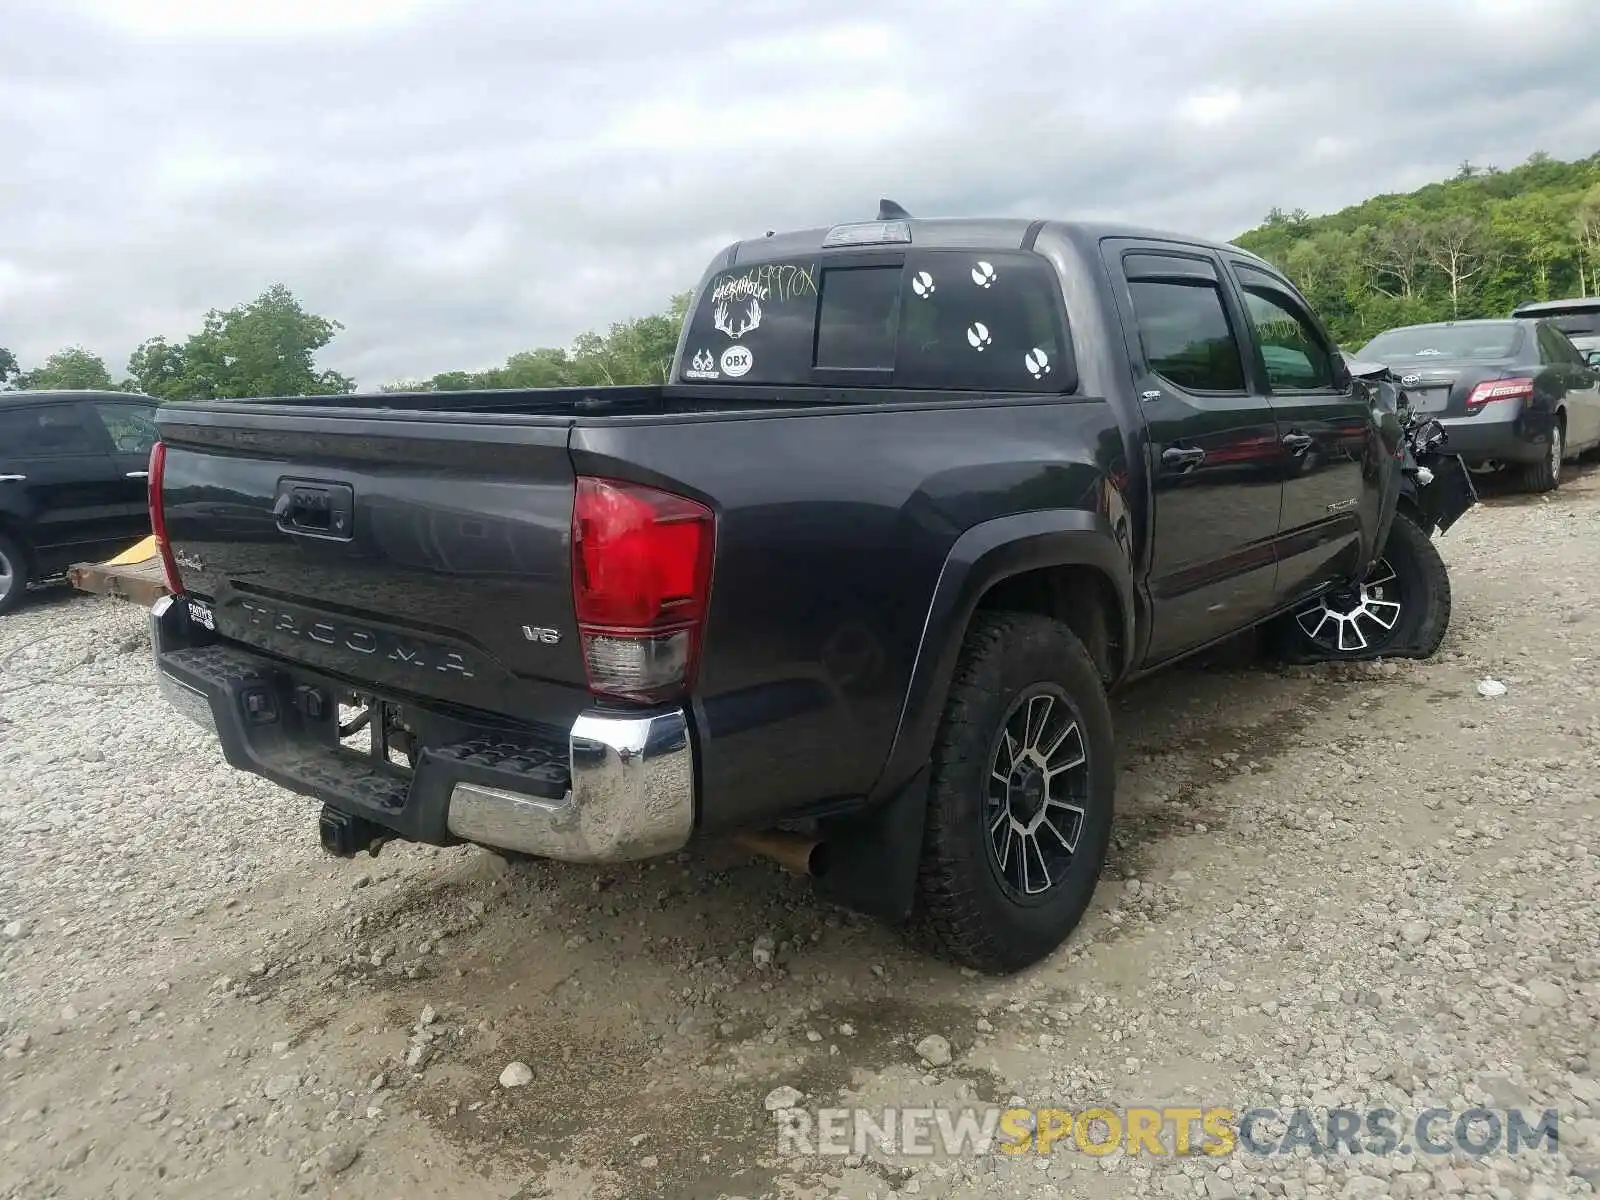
{"x": 922, "y": 285}
{"x": 978, "y": 336}
{"x": 1037, "y": 362}
{"x": 983, "y": 274}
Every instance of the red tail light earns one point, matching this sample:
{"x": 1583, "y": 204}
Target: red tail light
{"x": 641, "y": 580}
{"x": 1499, "y": 389}
{"x": 158, "y": 517}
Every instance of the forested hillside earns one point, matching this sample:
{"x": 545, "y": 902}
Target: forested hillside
{"x": 1472, "y": 246}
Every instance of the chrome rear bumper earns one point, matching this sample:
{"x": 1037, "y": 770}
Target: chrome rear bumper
{"x": 632, "y": 795}
{"x": 624, "y": 789}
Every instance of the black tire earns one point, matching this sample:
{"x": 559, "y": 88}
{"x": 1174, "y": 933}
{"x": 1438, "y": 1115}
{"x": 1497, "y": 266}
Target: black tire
{"x": 1545, "y": 475}
{"x": 1410, "y": 566}
{"x": 966, "y": 910}
{"x": 13, "y": 574}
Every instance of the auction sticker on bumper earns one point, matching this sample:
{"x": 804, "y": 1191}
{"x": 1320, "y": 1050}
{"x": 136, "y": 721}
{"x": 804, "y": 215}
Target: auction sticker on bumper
{"x": 737, "y": 361}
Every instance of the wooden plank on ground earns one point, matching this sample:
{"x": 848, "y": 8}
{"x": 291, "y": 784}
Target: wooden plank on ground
{"x": 143, "y": 582}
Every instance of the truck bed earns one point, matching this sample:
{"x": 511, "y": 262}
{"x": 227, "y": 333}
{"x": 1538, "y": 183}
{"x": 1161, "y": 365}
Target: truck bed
{"x": 653, "y": 400}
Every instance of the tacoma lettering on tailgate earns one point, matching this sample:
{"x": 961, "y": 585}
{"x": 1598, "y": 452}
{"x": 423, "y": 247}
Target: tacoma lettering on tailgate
{"x": 344, "y": 635}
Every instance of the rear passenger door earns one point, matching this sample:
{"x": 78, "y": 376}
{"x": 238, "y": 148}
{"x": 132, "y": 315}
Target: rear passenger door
{"x": 56, "y": 480}
{"x": 1212, "y": 446}
{"x": 1332, "y": 483}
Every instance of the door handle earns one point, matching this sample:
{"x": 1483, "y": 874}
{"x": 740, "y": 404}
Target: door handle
{"x": 1185, "y": 458}
{"x": 12, "y": 478}
{"x": 138, "y": 475}
{"x": 1298, "y": 442}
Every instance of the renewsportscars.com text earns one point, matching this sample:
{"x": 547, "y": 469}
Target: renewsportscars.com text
{"x": 1165, "y": 1130}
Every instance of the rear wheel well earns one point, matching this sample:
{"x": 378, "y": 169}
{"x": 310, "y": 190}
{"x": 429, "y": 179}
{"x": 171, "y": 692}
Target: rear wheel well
{"x": 15, "y": 536}
{"x": 1081, "y": 597}
{"x": 1406, "y": 506}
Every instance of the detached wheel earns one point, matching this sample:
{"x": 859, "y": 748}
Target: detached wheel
{"x": 1401, "y": 607}
{"x": 13, "y": 574}
{"x": 1545, "y": 475}
{"x": 1020, "y": 798}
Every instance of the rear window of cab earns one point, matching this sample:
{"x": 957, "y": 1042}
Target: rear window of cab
{"x": 949, "y": 319}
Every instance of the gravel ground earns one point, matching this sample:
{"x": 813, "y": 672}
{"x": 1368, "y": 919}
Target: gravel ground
{"x": 1367, "y": 887}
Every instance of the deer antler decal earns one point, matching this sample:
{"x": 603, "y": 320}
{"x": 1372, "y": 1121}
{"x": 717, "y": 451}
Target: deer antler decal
{"x": 751, "y": 320}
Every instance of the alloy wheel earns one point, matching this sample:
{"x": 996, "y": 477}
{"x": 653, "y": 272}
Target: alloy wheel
{"x": 10, "y": 577}
{"x": 1354, "y": 620}
{"x": 1037, "y": 788}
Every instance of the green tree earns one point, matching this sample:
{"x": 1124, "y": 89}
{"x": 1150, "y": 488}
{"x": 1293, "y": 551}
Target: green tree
{"x": 71, "y": 369}
{"x": 156, "y": 369}
{"x": 1461, "y": 249}
{"x": 264, "y": 348}
{"x": 1586, "y": 224}
{"x": 1397, "y": 256}
{"x": 9, "y": 370}
{"x": 631, "y": 352}
{"x": 1535, "y": 233}
{"x": 1473, "y": 245}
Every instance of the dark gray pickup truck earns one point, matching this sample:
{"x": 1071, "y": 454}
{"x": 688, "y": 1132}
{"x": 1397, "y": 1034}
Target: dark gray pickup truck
{"x": 853, "y": 585}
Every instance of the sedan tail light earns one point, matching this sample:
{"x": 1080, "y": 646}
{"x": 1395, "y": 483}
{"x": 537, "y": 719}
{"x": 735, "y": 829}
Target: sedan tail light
{"x": 641, "y": 581}
{"x": 1499, "y": 389}
{"x": 158, "y": 517}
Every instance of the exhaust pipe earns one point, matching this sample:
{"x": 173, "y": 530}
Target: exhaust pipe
{"x": 793, "y": 851}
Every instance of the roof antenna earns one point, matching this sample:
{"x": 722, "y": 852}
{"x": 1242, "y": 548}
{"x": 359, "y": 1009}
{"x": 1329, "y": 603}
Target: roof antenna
{"x": 888, "y": 210}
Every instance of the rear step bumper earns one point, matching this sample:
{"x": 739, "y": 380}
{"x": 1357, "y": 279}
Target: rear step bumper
{"x": 614, "y": 787}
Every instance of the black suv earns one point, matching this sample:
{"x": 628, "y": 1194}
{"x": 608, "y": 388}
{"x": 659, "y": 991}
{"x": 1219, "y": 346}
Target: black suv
{"x": 72, "y": 481}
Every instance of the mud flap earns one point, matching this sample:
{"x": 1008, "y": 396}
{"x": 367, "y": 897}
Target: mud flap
{"x": 1449, "y": 495}
{"x": 868, "y": 860}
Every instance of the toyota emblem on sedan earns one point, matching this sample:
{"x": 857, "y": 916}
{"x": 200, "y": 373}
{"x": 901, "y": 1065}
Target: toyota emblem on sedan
{"x": 1410, "y": 380}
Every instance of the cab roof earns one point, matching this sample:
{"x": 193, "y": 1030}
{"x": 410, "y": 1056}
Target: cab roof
{"x": 965, "y": 233}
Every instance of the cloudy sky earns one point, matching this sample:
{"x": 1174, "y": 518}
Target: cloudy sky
{"x": 456, "y": 180}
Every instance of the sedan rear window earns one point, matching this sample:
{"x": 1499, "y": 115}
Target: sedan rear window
{"x": 1490, "y": 340}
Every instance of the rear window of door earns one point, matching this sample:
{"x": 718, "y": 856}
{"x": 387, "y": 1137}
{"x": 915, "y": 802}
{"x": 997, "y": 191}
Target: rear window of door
{"x": 48, "y": 431}
{"x": 1184, "y": 328}
{"x": 945, "y": 319}
{"x": 131, "y": 427}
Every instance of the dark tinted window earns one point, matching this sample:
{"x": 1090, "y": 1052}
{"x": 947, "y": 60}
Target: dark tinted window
{"x": 46, "y": 431}
{"x": 1294, "y": 355}
{"x": 989, "y": 322}
{"x": 1479, "y": 340}
{"x": 958, "y": 320}
{"x": 859, "y": 317}
{"x": 1186, "y": 336}
{"x": 131, "y": 427}
{"x": 754, "y": 324}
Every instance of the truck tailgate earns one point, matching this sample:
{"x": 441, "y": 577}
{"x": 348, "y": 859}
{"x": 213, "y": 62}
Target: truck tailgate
{"x": 426, "y": 556}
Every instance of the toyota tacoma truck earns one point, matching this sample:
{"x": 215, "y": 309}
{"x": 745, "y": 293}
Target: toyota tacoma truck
{"x": 853, "y": 585}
